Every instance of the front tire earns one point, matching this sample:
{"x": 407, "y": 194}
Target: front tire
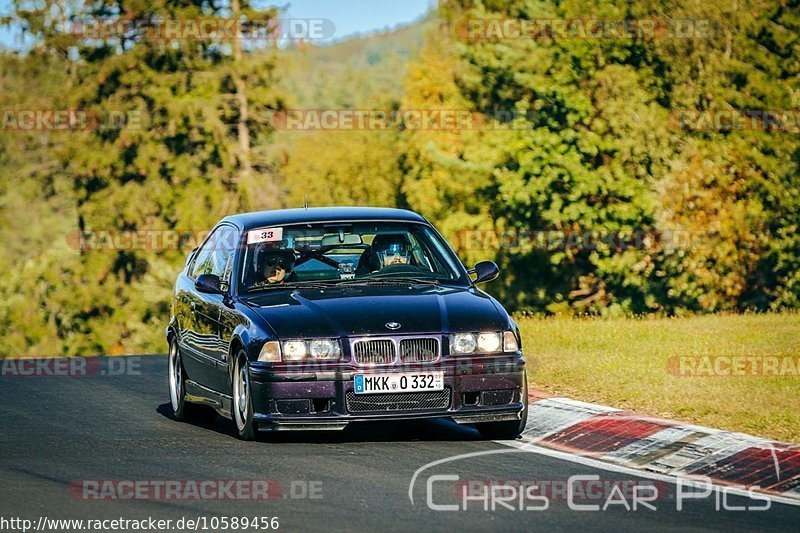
{"x": 242, "y": 399}
{"x": 508, "y": 429}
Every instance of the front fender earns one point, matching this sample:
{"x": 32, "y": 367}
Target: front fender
{"x": 241, "y": 334}
{"x": 242, "y": 337}
{"x": 171, "y": 329}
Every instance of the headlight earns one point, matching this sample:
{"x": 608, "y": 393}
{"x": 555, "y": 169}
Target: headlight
{"x": 294, "y": 350}
{"x": 510, "y": 342}
{"x": 462, "y": 343}
{"x": 486, "y": 342}
{"x": 324, "y": 349}
{"x": 299, "y": 350}
{"x": 270, "y": 353}
{"x": 489, "y": 342}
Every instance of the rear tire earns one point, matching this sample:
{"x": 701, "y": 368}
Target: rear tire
{"x": 182, "y": 410}
{"x": 242, "y": 404}
{"x": 508, "y": 429}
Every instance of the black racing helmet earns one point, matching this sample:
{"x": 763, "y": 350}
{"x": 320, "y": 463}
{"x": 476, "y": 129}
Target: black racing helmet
{"x": 388, "y": 245}
{"x": 266, "y": 255}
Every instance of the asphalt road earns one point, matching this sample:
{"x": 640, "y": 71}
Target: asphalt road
{"x": 57, "y": 431}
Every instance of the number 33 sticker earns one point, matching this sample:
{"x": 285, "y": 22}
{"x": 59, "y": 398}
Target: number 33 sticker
{"x": 264, "y": 235}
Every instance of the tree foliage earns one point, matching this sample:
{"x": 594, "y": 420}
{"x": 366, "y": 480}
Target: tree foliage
{"x": 574, "y": 135}
{"x": 170, "y": 160}
{"x": 594, "y": 147}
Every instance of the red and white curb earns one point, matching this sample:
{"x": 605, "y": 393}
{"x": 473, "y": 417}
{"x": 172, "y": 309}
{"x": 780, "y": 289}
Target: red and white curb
{"x": 663, "y": 447}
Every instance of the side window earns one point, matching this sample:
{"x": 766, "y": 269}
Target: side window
{"x": 226, "y": 261}
{"x": 419, "y": 252}
{"x": 216, "y": 255}
{"x": 203, "y": 262}
{"x": 437, "y": 253}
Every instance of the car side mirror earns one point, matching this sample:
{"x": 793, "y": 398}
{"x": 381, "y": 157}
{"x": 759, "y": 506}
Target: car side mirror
{"x": 485, "y": 271}
{"x": 209, "y": 284}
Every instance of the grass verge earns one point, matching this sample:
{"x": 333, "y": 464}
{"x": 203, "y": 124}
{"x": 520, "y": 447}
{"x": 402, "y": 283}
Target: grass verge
{"x": 634, "y": 364}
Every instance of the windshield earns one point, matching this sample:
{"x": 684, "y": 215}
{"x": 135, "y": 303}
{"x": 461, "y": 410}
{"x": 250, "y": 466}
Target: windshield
{"x": 351, "y": 253}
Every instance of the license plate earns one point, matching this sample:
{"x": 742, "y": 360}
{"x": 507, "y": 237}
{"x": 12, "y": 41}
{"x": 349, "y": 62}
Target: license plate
{"x": 405, "y": 382}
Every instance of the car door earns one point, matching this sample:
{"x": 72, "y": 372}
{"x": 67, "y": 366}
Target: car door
{"x": 201, "y": 336}
{"x": 224, "y": 314}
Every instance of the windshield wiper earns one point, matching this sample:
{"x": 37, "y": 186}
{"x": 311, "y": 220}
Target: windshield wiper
{"x": 387, "y": 281}
{"x": 333, "y": 283}
{"x": 291, "y": 286}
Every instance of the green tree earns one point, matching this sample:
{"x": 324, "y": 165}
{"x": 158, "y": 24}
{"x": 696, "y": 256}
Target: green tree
{"x": 594, "y": 147}
{"x": 580, "y": 154}
{"x": 186, "y": 154}
{"x": 737, "y": 191}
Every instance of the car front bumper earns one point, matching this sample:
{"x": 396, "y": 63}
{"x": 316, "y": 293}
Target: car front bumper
{"x": 480, "y": 389}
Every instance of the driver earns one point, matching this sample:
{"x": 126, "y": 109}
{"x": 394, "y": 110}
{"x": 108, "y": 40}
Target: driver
{"x": 391, "y": 250}
{"x": 277, "y": 267}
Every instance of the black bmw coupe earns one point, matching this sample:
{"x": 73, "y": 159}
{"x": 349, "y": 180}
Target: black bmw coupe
{"x": 315, "y": 318}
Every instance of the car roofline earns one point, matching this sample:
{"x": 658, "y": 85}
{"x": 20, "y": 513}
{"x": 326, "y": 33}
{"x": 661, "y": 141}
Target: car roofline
{"x": 316, "y": 215}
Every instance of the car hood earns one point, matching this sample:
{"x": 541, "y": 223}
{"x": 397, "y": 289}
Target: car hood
{"x": 352, "y": 311}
